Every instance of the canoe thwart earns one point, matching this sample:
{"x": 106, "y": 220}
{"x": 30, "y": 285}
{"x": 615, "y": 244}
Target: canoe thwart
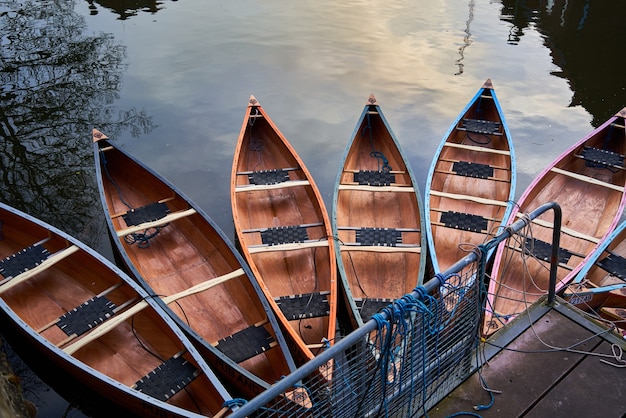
{"x": 255, "y": 187}
{"x": 86, "y": 316}
{"x": 246, "y": 343}
{"x": 614, "y": 264}
{"x": 587, "y": 179}
{"x": 374, "y": 178}
{"x": 160, "y": 222}
{"x": 396, "y": 249}
{"x": 475, "y": 170}
{"x": 303, "y": 306}
{"x": 464, "y": 221}
{"x": 23, "y": 260}
{"x": 369, "y": 306}
{"x": 468, "y": 197}
{"x": 311, "y": 225}
{"x": 167, "y": 379}
{"x": 148, "y": 213}
{"x": 601, "y": 158}
{"x": 253, "y": 249}
{"x": 476, "y": 148}
{"x": 486, "y": 127}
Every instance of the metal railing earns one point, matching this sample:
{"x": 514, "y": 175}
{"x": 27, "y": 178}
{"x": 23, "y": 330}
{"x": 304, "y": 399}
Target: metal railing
{"x": 407, "y": 357}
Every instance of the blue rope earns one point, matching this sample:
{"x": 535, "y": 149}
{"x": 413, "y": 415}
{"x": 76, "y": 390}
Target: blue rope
{"x": 231, "y": 403}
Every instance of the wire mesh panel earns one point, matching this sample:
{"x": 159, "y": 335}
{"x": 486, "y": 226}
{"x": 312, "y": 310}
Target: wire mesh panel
{"x": 416, "y": 351}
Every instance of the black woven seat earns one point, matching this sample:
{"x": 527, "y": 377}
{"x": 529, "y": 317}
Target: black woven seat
{"x": 476, "y": 170}
{"x": 23, "y": 260}
{"x": 246, "y": 343}
{"x": 167, "y": 379}
{"x": 614, "y": 264}
{"x": 86, "y": 316}
{"x": 379, "y": 236}
{"x": 543, "y": 250}
{"x": 307, "y": 305}
{"x": 369, "y": 306}
{"x": 374, "y": 178}
{"x": 464, "y": 221}
{"x": 265, "y": 177}
{"x": 148, "y": 213}
{"x": 478, "y": 126}
{"x": 596, "y": 157}
{"x": 284, "y": 234}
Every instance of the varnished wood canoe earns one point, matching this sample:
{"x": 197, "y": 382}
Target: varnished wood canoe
{"x": 602, "y": 279}
{"x": 172, "y": 247}
{"x": 284, "y": 232}
{"x": 76, "y": 315}
{"x": 587, "y": 181}
{"x": 377, "y": 218}
{"x": 471, "y": 182}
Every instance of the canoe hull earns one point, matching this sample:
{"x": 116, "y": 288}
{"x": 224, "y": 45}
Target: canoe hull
{"x": 377, "y": 218}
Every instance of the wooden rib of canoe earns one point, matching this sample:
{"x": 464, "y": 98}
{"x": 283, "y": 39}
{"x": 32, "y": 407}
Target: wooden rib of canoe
{"x": 284, "y": 232}
{"x": 601, "y": 282}
{"x": 377, "y": 218}
{"x": 74, "y": 314}
{"x": 173, "y": 248}
{"x": 587, "y": 181}
{"x": 471, "y": 182}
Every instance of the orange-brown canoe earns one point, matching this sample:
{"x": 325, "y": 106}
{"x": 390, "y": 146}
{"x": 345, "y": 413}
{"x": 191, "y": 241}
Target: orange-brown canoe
{"x": 171, "y": 246}
{"x": 85, "y": 325}
{"x": 284, "y": 231}
{"x": 377, "y": 218}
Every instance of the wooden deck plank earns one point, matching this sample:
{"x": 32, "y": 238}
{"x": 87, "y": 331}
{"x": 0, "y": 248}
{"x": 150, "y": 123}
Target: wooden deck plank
{"x": 525, "y": 376}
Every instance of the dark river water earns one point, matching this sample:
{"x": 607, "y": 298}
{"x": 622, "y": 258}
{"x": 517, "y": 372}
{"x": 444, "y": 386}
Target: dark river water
{"x": 170, "y": 81}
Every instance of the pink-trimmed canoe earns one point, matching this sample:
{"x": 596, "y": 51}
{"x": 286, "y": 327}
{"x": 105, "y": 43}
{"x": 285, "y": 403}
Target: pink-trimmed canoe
{"x": 284, "y": 232}
{"x": 377, "y": 218}
{"x": 171, "y": 246}
{"x": 587, "y": 181}
{"x": 87, "y": 327}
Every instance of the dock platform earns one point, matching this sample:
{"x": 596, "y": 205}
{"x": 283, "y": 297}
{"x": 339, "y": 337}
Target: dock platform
{"x": 551, "y": 361}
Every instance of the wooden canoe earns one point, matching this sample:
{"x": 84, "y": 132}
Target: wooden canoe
{"x": 471, "y": 182}
{"x": 172, "y": 247}
{"x": 74, "y": 314}
{"x": 377, "y": 218}
{"x": 602, "y": 279}
{"x": 284, "y": 232}
{"x": 587, "y": 181}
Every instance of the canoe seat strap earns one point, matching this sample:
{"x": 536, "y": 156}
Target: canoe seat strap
{"x": 615, "y": 265}
{"x": 246, "y": 343}
{"x": 23, "y": 260}
{"x": 374, "y": 178}
{"x": 167, "y": 379}
{"x": 268, "y": 177}
{"x": 148, "y": 213}
{"x": 284, "y": 234}
{"x": 379, "y": 236}
{"x": 369, "y": 306}
{"x": 476, "y": 170}
{"x": 599, "y": 158}
{"x": 86, "y": 316}
{"x": 478, "y": 126}
{"x": 307, "y": 305}
{"x": 543, "y": 250}
{"x": 464, "y": 221}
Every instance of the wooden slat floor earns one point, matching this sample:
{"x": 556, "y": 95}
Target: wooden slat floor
{"x": 537, "y": 380}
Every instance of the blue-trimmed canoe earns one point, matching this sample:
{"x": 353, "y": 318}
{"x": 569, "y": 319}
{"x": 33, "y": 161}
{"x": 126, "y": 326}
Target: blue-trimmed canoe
{"x": 587, "y": 181}
{"x": 471, "y": 182}
{"x": 92, "y": 332}
{"x": 172, "y": 247}
{"x": 285, "y": 234}
{"x": 377, "y": 218}
{"x": 602, "y": 280}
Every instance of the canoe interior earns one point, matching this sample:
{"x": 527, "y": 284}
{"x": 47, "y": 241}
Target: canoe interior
{"x": 447, "y": 236}
{"x": 590, "y": 209}
{"x": 184, "y": 253}
{"x": 126, "y": 353}
{"x": 302, "y": 271}
{"x": 372, "y": 274}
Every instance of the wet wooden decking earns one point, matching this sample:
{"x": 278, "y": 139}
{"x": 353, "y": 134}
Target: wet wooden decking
{"x": 536, "y": 377}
